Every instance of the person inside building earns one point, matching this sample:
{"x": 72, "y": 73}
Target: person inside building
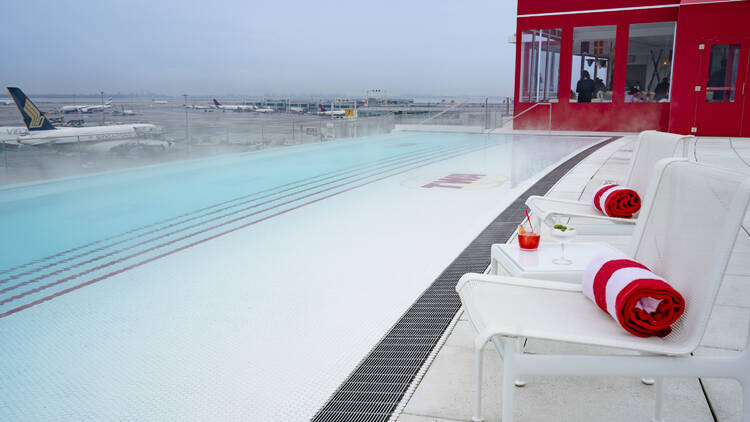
{"x": 717, "y": 78}
{"x": 633, "y": 94}
{"x": 662, "y": 90}
{"x": 585, "y": 88}
{"x": 599, "y": 88}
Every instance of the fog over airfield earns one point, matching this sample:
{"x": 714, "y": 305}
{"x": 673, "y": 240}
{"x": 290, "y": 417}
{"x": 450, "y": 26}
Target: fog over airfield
{"x": 259, "y": 48}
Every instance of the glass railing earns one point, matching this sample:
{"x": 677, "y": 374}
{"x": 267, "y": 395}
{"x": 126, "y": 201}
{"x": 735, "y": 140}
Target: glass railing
{"x": 478, "y": 113}
{"x": 178, "y": 133}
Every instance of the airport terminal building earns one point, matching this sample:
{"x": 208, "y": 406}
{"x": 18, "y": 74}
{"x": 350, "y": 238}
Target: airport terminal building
{"x": 673, "y": 65}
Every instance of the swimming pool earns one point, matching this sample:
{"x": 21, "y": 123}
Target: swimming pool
{"x": 241, "y": 287}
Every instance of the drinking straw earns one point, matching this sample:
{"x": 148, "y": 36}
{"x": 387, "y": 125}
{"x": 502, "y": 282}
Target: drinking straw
{"x": 529, "y": 218}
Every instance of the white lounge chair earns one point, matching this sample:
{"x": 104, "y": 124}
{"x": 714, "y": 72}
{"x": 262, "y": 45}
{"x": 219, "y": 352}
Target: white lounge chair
{"x": 686, "y": 233}
{"x": 650, "y": 147}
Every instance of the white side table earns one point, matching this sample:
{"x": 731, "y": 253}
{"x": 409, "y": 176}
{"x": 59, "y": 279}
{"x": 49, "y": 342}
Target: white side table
{"x": 538, "y": 264}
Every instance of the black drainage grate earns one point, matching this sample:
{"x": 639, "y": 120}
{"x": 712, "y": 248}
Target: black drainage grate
{"x": 374, "y": 389}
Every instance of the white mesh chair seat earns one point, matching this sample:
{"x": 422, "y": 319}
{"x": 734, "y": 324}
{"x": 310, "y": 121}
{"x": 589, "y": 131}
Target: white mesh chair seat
{"x": 650, "y": 147}
{"x": 549, "y": 310}
{"x": 685, "y": 233}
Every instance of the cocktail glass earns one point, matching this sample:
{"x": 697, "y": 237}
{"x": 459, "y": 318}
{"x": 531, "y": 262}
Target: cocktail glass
{"x": 563, "y": 236}
{"x": 528, "y": 241}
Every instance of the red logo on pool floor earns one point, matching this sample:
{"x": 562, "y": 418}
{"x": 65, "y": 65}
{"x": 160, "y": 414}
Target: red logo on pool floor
{"x": 454, "y": 181}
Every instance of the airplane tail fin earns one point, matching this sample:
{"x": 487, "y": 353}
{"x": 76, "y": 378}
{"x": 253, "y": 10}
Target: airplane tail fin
{"x": 32, "y": 117}
{"x": 216, "y": 103}
{"x": 322, "y": 107}
{"x": 109, "y": 101}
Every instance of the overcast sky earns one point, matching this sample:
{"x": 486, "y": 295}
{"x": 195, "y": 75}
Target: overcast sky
{"x": 259, "y": 48}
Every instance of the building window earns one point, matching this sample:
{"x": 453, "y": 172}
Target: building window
{"x": 540, "y": 65}
{"x": 593, "y": 63}
{"x": 649, "y": 71}
{"x": 722, "y": 73}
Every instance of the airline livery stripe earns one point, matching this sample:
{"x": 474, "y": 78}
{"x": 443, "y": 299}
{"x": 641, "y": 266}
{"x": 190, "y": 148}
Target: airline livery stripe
{"x": 36, "y": 117}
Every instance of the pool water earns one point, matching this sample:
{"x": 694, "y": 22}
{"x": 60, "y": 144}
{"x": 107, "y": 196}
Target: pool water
{"x": 237, "y": 287}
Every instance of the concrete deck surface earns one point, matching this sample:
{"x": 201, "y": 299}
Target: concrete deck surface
{"x": 445, "y": 393}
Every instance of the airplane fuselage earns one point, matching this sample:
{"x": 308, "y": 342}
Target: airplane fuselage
{"x": 68, "y": 135}
{"x": 236, "y": 107}
{"x": 12, "y": 132}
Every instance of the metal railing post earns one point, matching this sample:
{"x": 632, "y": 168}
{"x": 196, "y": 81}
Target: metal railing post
{"x": 549, "y": 127}
{"x": 5, "y": 159}
{"x": 486, "y": 114}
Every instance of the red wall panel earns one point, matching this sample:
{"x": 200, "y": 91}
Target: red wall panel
{"x": 706, "y": 23}
{"x": 556, "y": 6}
{"x": 719, "y": 22}
{"x": 614, "y": 116}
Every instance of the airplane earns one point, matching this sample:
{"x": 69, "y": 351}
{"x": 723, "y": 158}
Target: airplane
{"x": 263, "y": 110}
{"x": 159, "y": 102}
{"x": 123, "y": 112}
{"x": 6, "y": 102}
{"x": 42, "y": 133}
{"x": 234, "y": 107}
{"x": 299, "y": 110}
{"x": 87, "y": 108}
{"x": 101, "y": 107}
{"x": 335, "y": 113}
{"x": 199, "y": 107}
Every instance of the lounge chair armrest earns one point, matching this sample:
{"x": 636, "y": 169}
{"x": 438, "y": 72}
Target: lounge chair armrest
{"x": 517, "y": 281}
{"x": 592, "y": 215}
{"x": 533, "y": 198}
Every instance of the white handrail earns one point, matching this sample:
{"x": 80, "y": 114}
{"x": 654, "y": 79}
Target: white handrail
{"x": 549, "y": 123}
{"x": 444, "y": 111}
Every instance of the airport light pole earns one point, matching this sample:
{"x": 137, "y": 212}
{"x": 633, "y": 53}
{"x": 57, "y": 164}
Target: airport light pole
{"x": 187, "y": 126}
{"x": 102, "y": 92}
{"x": 5, "y": 159}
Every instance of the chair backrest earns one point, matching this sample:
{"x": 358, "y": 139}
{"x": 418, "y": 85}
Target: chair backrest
{"x": 686, "y": 233}
{"x": 651, "y": 147}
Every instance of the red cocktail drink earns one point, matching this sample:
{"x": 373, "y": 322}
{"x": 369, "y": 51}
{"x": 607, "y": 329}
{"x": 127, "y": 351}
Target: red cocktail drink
{"x": 528, "y": 241}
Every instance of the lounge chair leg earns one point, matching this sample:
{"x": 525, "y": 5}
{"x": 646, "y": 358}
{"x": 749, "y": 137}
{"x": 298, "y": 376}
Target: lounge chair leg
{"x": 478, "y": 386}
{"x": 745, "y": 401}
{"x": 659, "y": 395}
{"x": 520, "y": 344}
{"x": 508, "y": 380}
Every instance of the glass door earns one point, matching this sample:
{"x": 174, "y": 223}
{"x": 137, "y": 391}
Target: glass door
{"x": 720, "y": 91}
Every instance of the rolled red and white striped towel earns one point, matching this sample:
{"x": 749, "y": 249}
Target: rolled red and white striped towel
{"x": 617, "y": 201}
{"x": 643, "y": 303}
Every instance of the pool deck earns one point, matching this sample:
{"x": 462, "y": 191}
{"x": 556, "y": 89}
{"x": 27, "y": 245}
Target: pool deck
{"x": 445, "y": 392}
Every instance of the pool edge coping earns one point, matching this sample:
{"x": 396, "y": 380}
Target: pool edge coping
{"x": 556, "y": 171}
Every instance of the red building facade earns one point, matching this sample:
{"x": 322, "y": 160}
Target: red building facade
{"x": 677, "y": 66}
